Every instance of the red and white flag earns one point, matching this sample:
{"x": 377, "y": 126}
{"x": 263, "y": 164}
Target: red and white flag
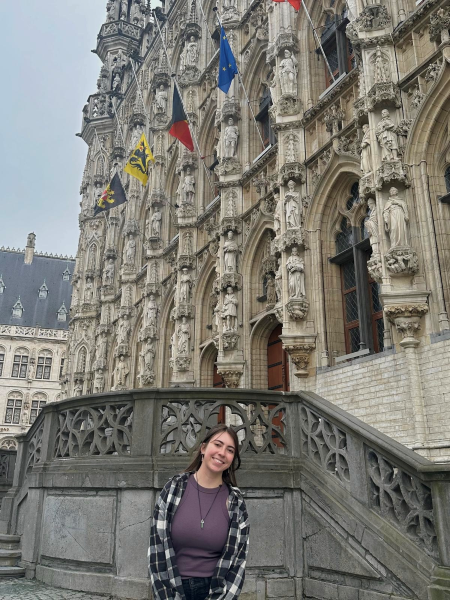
{"x": 295, "y": 3}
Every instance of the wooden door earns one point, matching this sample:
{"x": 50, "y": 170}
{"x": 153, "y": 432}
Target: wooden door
{"x": 277, "y": 363}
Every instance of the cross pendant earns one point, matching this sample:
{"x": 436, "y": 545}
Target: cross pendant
{"x": 202, "y": 522}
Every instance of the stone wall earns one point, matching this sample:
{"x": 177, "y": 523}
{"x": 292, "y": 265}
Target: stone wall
{"x": 337, "y": 509}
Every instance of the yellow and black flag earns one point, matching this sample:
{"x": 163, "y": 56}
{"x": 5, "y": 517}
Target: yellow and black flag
{"x": 139, "y": 161}
{"x": 113, "y": 195}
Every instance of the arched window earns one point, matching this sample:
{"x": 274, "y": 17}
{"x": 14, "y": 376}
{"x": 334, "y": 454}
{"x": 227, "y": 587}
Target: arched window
{"x": 81, "y": 362}
{"x": 38, "y": 401}
{"x": 2, "y": 359}
{"x": 20, "y": 363}
{"x": 14, "y": 405}
{"x": 44, "y": 365}
{"x": 447, "y": 179}
{"x": 338, "y": 49}
{"x": 92, "y": 260}
{"x": 263, "y": 118}
{"x": 344, "y": 238}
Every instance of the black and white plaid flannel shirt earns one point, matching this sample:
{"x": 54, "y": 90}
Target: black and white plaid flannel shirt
{"x": 228, "y": 577}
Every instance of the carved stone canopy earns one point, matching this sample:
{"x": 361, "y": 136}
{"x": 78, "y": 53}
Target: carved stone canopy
{"x": 393, "y": 170}
{"x": 295, "y": 171}
{"x": 383, "y": 94}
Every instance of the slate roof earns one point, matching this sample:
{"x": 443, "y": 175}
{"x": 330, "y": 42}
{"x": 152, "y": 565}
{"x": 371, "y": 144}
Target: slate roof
{"x": 25, "y": 280}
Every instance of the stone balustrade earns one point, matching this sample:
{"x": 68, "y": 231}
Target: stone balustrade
{"x": 337, "y": 509}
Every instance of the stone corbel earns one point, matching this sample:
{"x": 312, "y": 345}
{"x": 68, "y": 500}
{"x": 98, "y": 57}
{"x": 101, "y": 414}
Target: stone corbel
{"x": 295, "y": 171}
{"x": 406, "y": 318}
{"x": 297, "y": 308}
{"x": 231, "y": 376}
{"x": 300, "y": 354}
{"x": 440, "y": 25}
{"x": 393, "y": 170}
{"x": 382, "y": 93}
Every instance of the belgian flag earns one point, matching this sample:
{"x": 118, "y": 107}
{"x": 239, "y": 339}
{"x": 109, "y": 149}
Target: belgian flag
{"x": 180, "y": 126}
{"x": 139, "y": 161}
{"x": 114, "y": 195}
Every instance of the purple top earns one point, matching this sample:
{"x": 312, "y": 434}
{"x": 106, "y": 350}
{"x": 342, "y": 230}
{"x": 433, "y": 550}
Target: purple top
{"x": 197, "y": 550}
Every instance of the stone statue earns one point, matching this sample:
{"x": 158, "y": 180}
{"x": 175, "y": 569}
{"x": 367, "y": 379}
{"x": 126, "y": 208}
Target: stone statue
{"x": 116, "y": 83}
{"x": 156, "y": 224}
{"x": 230, "y": 250}
{"x": 366, "y": 153}
{"x": 124, "y": 9}
{"x": 386, "y": 136}
{"x": 288, "y": 74}
{"x": 173, "y": 338}
{"x": 291, "y": 148}
{"x": 152, "y": 311}
{"x": 183, "y": 334}
{"x": 271, "y": 293}
{"x": 371, "y": 223}
{"x": 293, "y": 206}
{"x": 296, "y": 271}
{"x": 123, "y": 333}
{"x": 229, "y": 310}
{"x": 88, "y": 290}
{"x": 130, "y": 251}
{"x": 396, "y": 218}
{"x": 108, "y": 273}
{"x": 188, "y": 187}
{"x": 102, "y": 347}
{"x": 149, "y": 356}
{"x": 381, "y": 74}
{"x": 31, "y": 240}
{"x": 187, "y": 243}
{"x": 191, "y": 53}
{"x": 231, "y": 137}
{"x": 278, "y": 282}
{"x": 121, "y": 372}
{"x": 277, "y": 215}
{"x": 216, "y": 318}
{"x": 78, "y": 389}
{"x": 185, "y": 286}
{"x": 160, "y": 102}
{"x": 99, "y": 381}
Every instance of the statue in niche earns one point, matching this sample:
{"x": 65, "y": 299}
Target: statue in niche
{"x": 88, "y": 290}
{"x": 371, "y": 223}
{"x": 291, "y": 150}
{"x": 188, "y": 187}
{"x": 216, "y": 317}
{"x": 110, "y": 5}
{"x": 230, "y": 250}
{"x": 278, "y": 281}
{"x": 124, "y": 10}
{"x": 99, "y": 381}
{"x": 396, "y": 218}
{"x": 102, "y": 346}
{"x": 191, "y": 53}
{"x": 296, "y": 272}
{"x": 185, "y": 286}
{"x": 160, "y": 102}
{"x": 231, "y": 137}
{"x": 386, "y": 136}
{"x": 124, "y": 331}
{"x": 271, "y": 293}
{"x": 382, "y": 74}
{"x": 184, "y": 335}
{"x": 130, "y": 251}
{"x": 121, "y": 372}
{"x": 173, "y": 339}
{"x": 156, "y": 224}
{"x": 152, "y": 311}
{"x": 148, "y": 356}
{"x": 277, "y": 215}
{"x": 366, "y": 152}
{"x": 293, "y": 206}
{"x": 135, "y": 137}
{"x": 78, "y": 389}
{"x": 288, "y": 74}
{"x": 229, "y": 310}
{"x": 108, "y": 273}
{"x": 117, "y": 82}
{"x": 154, "y": 272}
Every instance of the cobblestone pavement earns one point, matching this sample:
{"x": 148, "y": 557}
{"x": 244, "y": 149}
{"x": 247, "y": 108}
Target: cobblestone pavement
{"x": 26, "y": 589}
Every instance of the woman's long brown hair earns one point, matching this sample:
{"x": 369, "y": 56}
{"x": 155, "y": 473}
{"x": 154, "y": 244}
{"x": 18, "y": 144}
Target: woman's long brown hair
{"x": 229, "y": 475}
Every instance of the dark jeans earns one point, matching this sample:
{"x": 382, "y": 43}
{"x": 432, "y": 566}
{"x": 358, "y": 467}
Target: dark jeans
{"x": 196, "y": 588}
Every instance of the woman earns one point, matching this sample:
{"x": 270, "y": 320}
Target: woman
{"x": 200, "y": 530}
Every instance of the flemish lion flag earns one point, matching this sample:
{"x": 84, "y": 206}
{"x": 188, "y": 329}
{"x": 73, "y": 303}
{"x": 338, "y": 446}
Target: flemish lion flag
{"x": 113, "y": 195}
{"x": 180, "y": 127}
{"x": 139, "y": 161}
{"x": 295, "y": 3}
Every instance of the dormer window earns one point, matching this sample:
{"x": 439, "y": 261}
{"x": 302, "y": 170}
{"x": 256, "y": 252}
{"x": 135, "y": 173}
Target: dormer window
{"x": 62, "y": 313}
{"x": 43, "y": 290}
{"x": 2, "y": 285}
{"x": 17, "y": 310}
{"x": 66, "y": 274}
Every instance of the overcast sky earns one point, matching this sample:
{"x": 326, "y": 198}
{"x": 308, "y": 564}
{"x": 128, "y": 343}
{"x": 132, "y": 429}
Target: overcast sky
{"x": 48, "y": 71}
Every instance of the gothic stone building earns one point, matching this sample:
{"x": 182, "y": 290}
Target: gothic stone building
{"x": 35, "y": 296}
{"x": 307, "y": 248}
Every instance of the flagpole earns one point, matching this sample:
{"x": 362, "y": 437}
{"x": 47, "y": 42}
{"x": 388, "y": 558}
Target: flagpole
{"x": 215, "y": 9}
{"x": 194, "y": 137}
{"x": 118, "y": 122}
{"x": 317, "y": 39}
{"x": 140, "y": 92}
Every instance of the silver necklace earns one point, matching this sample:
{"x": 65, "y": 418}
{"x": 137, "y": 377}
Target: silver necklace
{"x": 202, "y": 520}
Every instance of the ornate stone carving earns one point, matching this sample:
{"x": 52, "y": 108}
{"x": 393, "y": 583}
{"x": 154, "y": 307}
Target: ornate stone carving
{"x": 292, "y": 237}
{"x": 183, "y": 335}
{"x": 228, "y": 166}
{"x": 387, "y": 137}
{"x": 229, "y": 310}
{"x": 230, "y": 377}
{"x": 396, "y": 219}
{"x": 366, "y": 153}
{"x": 231, "y": 138}
{"x": 230, "y": 340}
{"x": 297, "y": 308}
{"x": 288, "y": 74}
{"x": 333, "y": 118}
{"x": 406, "y": 318}
{"x": 381, "y": 93}
{"x": 391, "y": 171}
{"x": 439, "y": 25}
{"x": 373, "y": 16}
{"x": 296, "y": 275}
{"x": 230, "y": 251}
{"x": 293, "y": 207}
{"x": 433, "y": 71}
{"x": 295, "y": 171}
{"x": 300, "y": 354}
{"x": 402, "y": 261}
{"x": 287, "y": 106}
{"x": 182, "y": 363}
{"x": 374, "y": 267}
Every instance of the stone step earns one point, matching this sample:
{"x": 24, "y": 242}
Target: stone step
{"x": 9, "y": 542}
{"x": 12, "y": 572}
{"x": 9, "y": 558}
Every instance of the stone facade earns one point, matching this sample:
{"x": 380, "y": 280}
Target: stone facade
{"x": 324, "y": 217}
{"x": 35, "y": 294}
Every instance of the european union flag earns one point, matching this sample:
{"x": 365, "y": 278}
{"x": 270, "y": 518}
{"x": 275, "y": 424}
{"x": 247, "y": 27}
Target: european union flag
{"x": 227, "y": 64}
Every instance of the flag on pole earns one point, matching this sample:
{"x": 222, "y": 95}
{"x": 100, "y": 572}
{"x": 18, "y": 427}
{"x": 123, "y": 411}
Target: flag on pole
{"x": 139, "y": 161}
{"x": 295, "y": 3}
{"x": 180, "y": 127}
{"x": 114, "y": 195}
{"x": 227, "y": 63}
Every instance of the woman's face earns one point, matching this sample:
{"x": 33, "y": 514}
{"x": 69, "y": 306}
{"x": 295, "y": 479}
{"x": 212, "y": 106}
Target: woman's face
{"x": 218, "y": 453}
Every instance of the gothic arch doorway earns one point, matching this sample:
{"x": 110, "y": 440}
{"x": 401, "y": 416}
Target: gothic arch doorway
{"x": 277, "y": 363}
{"x": 217, "y": 378}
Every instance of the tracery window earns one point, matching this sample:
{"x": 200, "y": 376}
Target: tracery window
{"x": 2, "y": 360}
{"x": 337, "y": 48}
{"x": 20, "y": 364}
{"x": 13, "y": 408}
{"x": 44, "y": 365}
{"x": 61, "y": 367}
{"x": 263, "y": 118}
{"x": 38, "y": 401}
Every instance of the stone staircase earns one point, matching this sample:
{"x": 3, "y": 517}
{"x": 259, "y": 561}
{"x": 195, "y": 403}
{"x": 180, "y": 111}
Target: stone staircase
{"x": 10, "y": 555}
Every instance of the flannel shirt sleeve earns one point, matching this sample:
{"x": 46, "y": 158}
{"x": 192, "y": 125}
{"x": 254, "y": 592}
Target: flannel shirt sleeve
{"x": 228, "y": 583}
{"x": 157, "y": 563}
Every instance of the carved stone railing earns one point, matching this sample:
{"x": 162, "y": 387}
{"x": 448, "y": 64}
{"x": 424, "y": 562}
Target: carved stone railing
{"x": 116, "y": 27}
{"x": 131, "y": 441}
{"x": 18, "y": 330}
